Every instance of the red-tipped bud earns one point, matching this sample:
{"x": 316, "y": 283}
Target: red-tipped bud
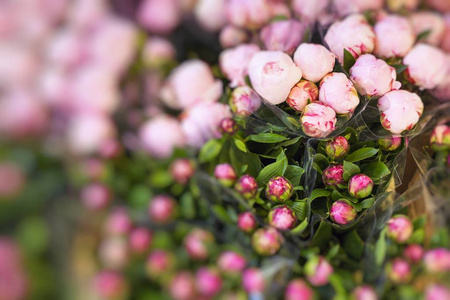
{"x": 333, "y": 175}
{"x": 318, "y": 270}
{"x": 162, "y": 209}
{"x": 267, "y": 241}
{"x": 298, "y": 289}
{"x": 390, "y": 144}
{"x": 228, "y": 126}
{"x": 198, "y": 244}
{"x": 440, "y": 138}
{"x": 282, "y": 218}
{"x": 247, "y": 186}
{"x": 302, "y": 94}
{"x": 182, "y": 170}
{"x": 208, "y": 281}
{"x": 360, "y": 186}
{"x": 225, "y": 174}
{"x": 414, "y": 253}
{"x": 337, "y": 148}
{"x": 399, "y": 271}
{"x": 399, "y": 228}
{"x": 342, "y": 212}
{"x": 140, "y": 239}
{"x": 247, "y": 222}
{"x": 231, "y": 262}
{"x": 279, "y": 189}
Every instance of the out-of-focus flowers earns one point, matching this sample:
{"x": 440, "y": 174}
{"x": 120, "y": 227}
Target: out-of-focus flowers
{"x": 231, "y": 36}
{"x": 253, "y": 280}
{"x": 246, "y": 186}
{"x": 162, "y": 209}
{"x": 267, "y": 241}
{"x": 228, "y": 126}
{"x": 413, "y": 253}
{"x": 342, "y": 212}
{"x": 284, "y": 35}
{"x": 113, "y": 253}
{"x": 437, "y": 292}
{"x": 140, "y": 239}
{"x": 399, "y": 228}
{"x": 225, "y": 174}
{"x": 159, "y": 16}
{"x": 398, "y": 5}
{"x": 282, "y": 218}
{"x": 231, "y": 261}
{"x": 360, "y": 186}
{"x": 338, "y": 92}
{"x": 208, "y": 281}
{"x": 247, "y": 222}
{"x": 318, "y": 270}
{"x": 429, "y": 21}
{"x": 159, "y": 262}
{"x": 333, "y": 175}
{"x": 244, "y": 101}
{"x": 318, "y": 120}
{"x": 365, "y": 292}
{"x": 234, "y": 63}
{"x": 248, "y": 13}
{"x": 279, "y": 189}
{"x": 346, "y": 7}
{"x": 12, "y": 180}
{"x": 310, "y": 10}
{"x": 198, "y": 244}
{"x": 13, "y": 278}
{"x": 182, "y": 286}
{"x": 337, "y": 148}
{"x": 301, "y": 94}
{"x": 118, "y": 222}
{"x": 394, "y": 37}
{"x": 211, "y": 14}
{"x": 390, "y": 143}
{"x": 182, "y": 170}
{"x": 157, "y": 51}
{"x": 437, "y": 260}
{"x": 273, "y": 74}
{"x": 399, "y": 271}
{"x": 315, "y": 61}
{"x": 110, "y": 285}
{"x": 96, "y": 196}
{"x": 298, "y": 289}
{"x": 440, "y": 138}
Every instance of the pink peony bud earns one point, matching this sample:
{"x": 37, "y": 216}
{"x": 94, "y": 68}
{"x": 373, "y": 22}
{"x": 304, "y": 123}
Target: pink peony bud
{"x": 159, "y": 262}
{"x": 225, "y": 174}
{"x": 282, "y": 218}
{"x": 394, "y": 37}
{"x": 347, "y": 7}
{"x": 248, "y": 13}
{"x": 182, "y": 170}
{"x": 192, "y": 82}
{"x": 279, "y": 189}
{"x": 96, "y": 196}
{"x": 232, "y": 36}
{"x": 253, "y": 280}
{"x": 298, "y": 289}
{"x": 159, "y": 16}
{"x": 342, "y": 212}
{"x": 118, "y": 222}
{"x": 333, "y": 175}
{"x": 208, "y": 281}
{"x": 162, "y": 209}
{"x": 413, "y": 253}
{"x": 244, "y": 101}
{"x": 140, "y": 239}
{"x": 273, "y": 74}
{"x": 440, "y": 138}
{"x": 429, "y": 21}
{"x": 318, "y": 120}
{"x": 390, "y": 143}
{"x": 284, "y": 35}
{"x": 12, "y": 180}
{"x": 437, "y": 260}
{"x": 437, "y": 292}
{"x": 338, "y": 92}
{"x": 399, "y": 228}
{"x": 198, "y": 244}
{"x": 230, "y": 261}
{"x": 182, "y": 286}
{"x": 211, "y": 14}
{"x": 113, "y": 253}
{"x": 247, "y": 222}
{"x": 110, "y": 285}
{"x": 400, "y": 110}
{"x": 399, "y": 271}
{"x": 201, "y": 122}
{"x": 247, "y": 186}
{"x": 360, "y": 186}
{"x": 315, "y": 61}
{"x": 267, "y": 241}
{"x": 157, "y": 51}
{"x": 354, "y": 34}
{"x": 425, "y": 66}
{"x": 373, "y": 77}
{"x": 318, "y": 270}
{"x": 337, "y": 148}
{"x": 234, "y": 63}
{"x": 310, "y": 10}
{"x": 228, "y": 126}
{"x": 301, "y": 94}
{"x": 399, "y": 5}
{"x": 365, "y": 292}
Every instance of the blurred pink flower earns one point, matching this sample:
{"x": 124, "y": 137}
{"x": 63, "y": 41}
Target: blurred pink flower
{"x": 157, "y": 51}
{"x": 182, "y": 286}
{"x": 113, "y": 253}
{"x": 346, "y": 7}
{"x": 310, "y": 10}
{"x": 234, "y": 63}
{"x": 429, "y": 21}
{"x": 231, "y": 36}
{"x": 248, "y": 13}
{"x": 298, "y": 289}
{"x": 110, "y": 285}
{"x": 284, "y": 35}
{"x": 162, "y": 209}
{"x": 394, "y": 37}
{"x": 211, "y": 14}
{"x": 159, "y": 16}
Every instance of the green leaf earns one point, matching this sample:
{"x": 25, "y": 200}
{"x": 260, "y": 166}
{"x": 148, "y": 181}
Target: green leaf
{"x": 380, "y": 248}
{"x": 240, "y": 145}
{"x": 294, "y": 174}
{"x": 366, "y": 203}
{"x": 361, "y": 154}
{"x": 350, "y": 169}
{"x": 294, "y": 121}
{"x": 275, "y": 169}
{"x": 423, "y": 35}
{"x": 333, "y": 252}
{"x": 353, "y": 245}
{"x": 322, "y": 236}
{"x": 221, "y": 213}
{"x": 160, "y": 179}
{"x": 376, "y": 170}
{"x": 300, "y": 227}
{"x": 187, "y": 206}
{"x": 336, "y": 195}
{"x": 210, "y": 151}
{"x": 317, "y": 193}
{"x": 400, "y": 68}
{"x": 267, "y": 138}
{"x": 33, "y": 235}
{"x": 301, "y": 209}
{"x": 417, "y": 237}
{"x": 349, "y": 60}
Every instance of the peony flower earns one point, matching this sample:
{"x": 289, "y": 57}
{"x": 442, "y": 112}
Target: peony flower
{"x": 247, "y": 222}
{"x": 96, "y": 196}
{"x": 157, "y": 51}
{"x": 337, "y": 148}
{"x": 400, "y": 110}
{"x": 342, "y": 212}
{"x": 437, "y": 260}
{"x": 315, "y": 61}
{"x": 298, "y": 289}
{"x": 248, "y": 13}
{"x": 231, "y": 36}
{"x": 162, "y": 209}
{"x": 210, "y": 14}
{"x": 230, "y": 261}
{"x": 159, "y": 262}
{"x": 161, "y": 135}
{"x": 365, "y": 292}
{"x": 318, "y": 120}
{"x": 346, "y": 7}
{"x": 247, "y": 186}
{"x": 318, "y": 270}
{"x": 333, "y": 175}
{"x": 279, "y": 189}
{"x": 282, "y": 218}
{"x": 140, "y": 239}
{"x": 253, "y": 280}
{"x": 394, "y": 37}
{"x": 284, "y": 35}
{"x": 225, "y": 174}
{"x": 208, "y": 281}
{"x": 390, "y": 143}
{"x": 159, "y": 16}
{"x": 12, "y": 180}
{"x": 425, "y": 66}
{"x": 234, "y": 63}
{"x": 437, "y": 292}
{"x": 413, "y": 253}
{"x": 110, "y": 285}
{"x": 202, "y": 123}
{"x": 399, "y": 271}
{"x": 399, "y": 228}
{"x": 373, "y": 77}
{"x": 244, "y": 101}
{"x": 66, "y": 49}
{"x": 273, "y": 74}
{"x": 360, "y": 186}
{"x": 182, "y": 170}
{"x": 182, "y": 286}
{"x": 440, "y": 138}
{"x": 429, "y": 21}
{"x": 267, "y": 241}
{"x": 338, "y": 92}
{"x": 310, "y": 10}
{"x": 113, "y": 253}
{"x": 354, "y": 34}
{"x": 118, "y": 222}
{"x": 228, "y": 126}
{"x": 301, "y": 94}
{"x": 198, "y": 244}
{"x": 192, "y": 82}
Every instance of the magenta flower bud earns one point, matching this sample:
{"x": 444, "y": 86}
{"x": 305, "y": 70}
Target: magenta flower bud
{"x": 182, "y": 286}
{"x": 198, "y": 244}
{"x": 413, "y": 253}
{"x": 247, "y": 222}
{"x": 96, "y": 196}
{"x": 12, "y": 180}
{"x": 267, "y": 241}
{"x": 342, "y": 213}
{"x": 118, "y": 222}
{"x": 298, "y": 289}
{"x": 231, "y": 262}
{"x": 318, "y": 120}
{"x": 279, "y": 189}
{"x": 440, "y": 138}
{"x": 360, "y": 186}
{"x": 13, "y": 278}
{"x": 337, "y": 148}
{"x": 182, "y": 170}
{"x": 162, "y": 209}
{"x": 110, "y": 285}
{"x": 333, "y": 175}
{"x": 228, "y": 126}
{"x": 140, "y": 239}
{"x": 208, "y": 281}
{"x": 225, "y": 174}
{"x": 253, "y": 281}
{"x": 302, "y": 94}
{"x": 282, "y": 218}
{"x": 390, "y": 143}
{"x": 277, "y": 36}
{"x": 365, "y": 292}
{"x": 318, "y": 270}
{"x": 244, "y": 101}
{"x": 247, "y": 186}
{"x": 437, "y": 260}
{"x": 437, "y": 292}
{"x": 399, "y": 271}
{"x": 399, "y": 228}
{"x": 159, "y": 262}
